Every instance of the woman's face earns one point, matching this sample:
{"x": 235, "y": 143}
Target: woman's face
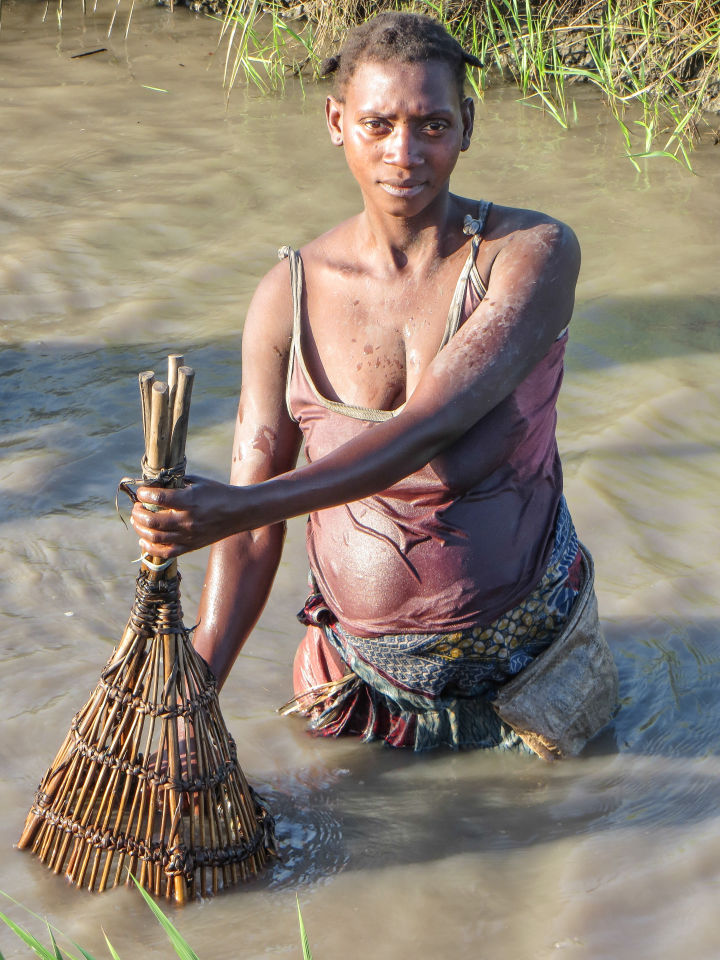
{"x": 403, "y": 126}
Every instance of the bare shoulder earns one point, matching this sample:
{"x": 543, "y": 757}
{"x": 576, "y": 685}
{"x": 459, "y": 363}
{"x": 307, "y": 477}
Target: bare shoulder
{"x": 266, "y": 440}
{"x": 270, "y": 314}
{"x": 269, "y": 322}
{"x": 539, "y": 239}
{"x": 266, "y": 342}
{"x": 530, "y": 265}
{"x": 335, "y": 251}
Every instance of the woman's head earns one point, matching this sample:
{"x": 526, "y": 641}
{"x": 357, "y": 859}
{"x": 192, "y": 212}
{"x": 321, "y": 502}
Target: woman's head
{"x": 400, "y": 38}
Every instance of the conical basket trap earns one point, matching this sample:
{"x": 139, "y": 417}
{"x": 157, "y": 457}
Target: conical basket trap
{"x": 147, "y": 781}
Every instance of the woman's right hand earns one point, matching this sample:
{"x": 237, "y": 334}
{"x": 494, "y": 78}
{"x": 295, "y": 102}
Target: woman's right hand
{"x": 188, "y": 518}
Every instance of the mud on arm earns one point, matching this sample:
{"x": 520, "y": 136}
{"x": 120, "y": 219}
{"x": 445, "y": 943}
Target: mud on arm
{"x": 529, "y": 301}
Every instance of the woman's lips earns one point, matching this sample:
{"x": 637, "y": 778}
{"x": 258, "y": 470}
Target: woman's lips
{"x": 408, "y": 188}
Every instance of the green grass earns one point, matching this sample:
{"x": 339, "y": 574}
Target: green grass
{"x": 264, "y": 50}
{"x": 653, "y": 62}
{"x": 656, "y": 63}
{"x": 303, "y": 935}
{"x": 181, "y": 947}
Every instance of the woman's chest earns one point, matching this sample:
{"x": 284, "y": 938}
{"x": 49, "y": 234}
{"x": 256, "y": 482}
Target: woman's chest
{"x": 366, "y": 343}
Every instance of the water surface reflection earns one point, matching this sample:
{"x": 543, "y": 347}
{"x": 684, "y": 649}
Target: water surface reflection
{"x": 136, "y": 223}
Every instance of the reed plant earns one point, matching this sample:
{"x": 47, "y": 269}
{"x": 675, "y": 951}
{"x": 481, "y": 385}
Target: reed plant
{"x": 656, "y": 63}
{"x": 179, "y": 944}
{"x": 264, "y": 47}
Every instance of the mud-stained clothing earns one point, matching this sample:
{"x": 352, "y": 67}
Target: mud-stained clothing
{"x": 457, "y": 543}
{"x": 414, "y": 582}
{"x": 427, "y": 690}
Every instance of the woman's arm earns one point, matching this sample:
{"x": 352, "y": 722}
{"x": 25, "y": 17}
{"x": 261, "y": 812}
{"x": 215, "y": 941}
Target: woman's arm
{"x": 242, "y": 567}
{"x": 529, "y": 301}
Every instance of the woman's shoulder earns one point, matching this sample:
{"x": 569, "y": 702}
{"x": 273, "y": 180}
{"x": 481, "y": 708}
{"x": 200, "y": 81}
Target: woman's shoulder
{"x": 329, "y": 250}
{"x": 506, "y": 223}
{"x": 332, "y": 250}
{"x": 543, "y": 242}
{"x": 272, "y": 305}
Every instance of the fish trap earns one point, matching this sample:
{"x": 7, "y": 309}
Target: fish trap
{"x": 147, "y": 781}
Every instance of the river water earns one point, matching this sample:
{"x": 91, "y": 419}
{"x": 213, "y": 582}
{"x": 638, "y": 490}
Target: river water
{"x": 136, "y": 216}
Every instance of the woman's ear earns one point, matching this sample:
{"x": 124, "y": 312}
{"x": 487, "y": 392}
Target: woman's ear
{"x": 467, "y": 109}
{"x": 334, "y": 116}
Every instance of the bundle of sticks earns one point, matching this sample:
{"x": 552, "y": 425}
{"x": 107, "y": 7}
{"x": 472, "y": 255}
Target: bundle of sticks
{"x": 147, "y": 781}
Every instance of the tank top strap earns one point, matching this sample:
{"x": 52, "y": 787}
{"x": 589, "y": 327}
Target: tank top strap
{"x": 473, "y": 226}
{"x": 297, "y": 278}
{"x": 297, "y": 281}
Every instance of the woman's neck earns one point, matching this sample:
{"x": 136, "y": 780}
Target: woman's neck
{"x": 399, "y": 244}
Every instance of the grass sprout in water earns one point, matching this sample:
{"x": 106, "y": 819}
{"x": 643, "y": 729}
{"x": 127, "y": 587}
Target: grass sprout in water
{"x": 182, "y": 948}
{"x": 656, "y": 63}
{"x": 657, "y": 58}
{"x": 265, "y": 49}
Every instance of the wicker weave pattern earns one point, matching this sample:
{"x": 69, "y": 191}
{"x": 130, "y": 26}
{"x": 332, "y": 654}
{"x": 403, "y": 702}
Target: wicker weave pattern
{"x": 147, "y": 780}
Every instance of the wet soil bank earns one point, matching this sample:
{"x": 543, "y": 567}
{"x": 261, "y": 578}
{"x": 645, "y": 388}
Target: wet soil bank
{"x": 665, "y": 43}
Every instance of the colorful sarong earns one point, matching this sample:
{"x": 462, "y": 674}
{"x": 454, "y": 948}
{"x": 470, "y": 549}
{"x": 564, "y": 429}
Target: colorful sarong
{"x": 427, "y": 690}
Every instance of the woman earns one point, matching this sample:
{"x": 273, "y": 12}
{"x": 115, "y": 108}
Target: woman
{"x": 417, "y": 350}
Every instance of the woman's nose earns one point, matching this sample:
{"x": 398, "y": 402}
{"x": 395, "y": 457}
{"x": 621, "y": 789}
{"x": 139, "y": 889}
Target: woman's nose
{"x": 402, "y": 148}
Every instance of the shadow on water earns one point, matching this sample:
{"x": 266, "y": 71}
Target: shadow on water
{"x": 76, "y": 409}
{"x": 654, "y": 768}
{"x": 75, "y": 406}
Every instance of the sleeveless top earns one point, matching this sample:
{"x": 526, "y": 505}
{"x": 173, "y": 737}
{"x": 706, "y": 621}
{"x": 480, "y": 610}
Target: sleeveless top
{"x": 437, "y": 551}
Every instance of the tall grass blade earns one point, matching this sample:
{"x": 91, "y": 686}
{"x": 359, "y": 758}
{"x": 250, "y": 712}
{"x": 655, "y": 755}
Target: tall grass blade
{"x": 111, "y": 948}
{"x": 37, "y": 917}
{"x": 648, "y": 154}
{"x": 180, "y": 944}
{"x": 27, "y": 938}
{"x": 53, "y": 944}
{"x": 303, "y": 935}
{"x": 86, "y": 955}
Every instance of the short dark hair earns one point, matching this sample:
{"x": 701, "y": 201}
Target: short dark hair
{"x": 399, "y": 37}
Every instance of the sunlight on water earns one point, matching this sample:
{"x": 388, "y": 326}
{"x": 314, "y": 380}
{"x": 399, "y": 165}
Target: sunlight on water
{"x": 136, "y": 223}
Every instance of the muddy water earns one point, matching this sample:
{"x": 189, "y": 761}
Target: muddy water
{"x": 136, "y": 222}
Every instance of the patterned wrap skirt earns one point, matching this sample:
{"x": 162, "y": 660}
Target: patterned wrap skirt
{"x": 427, "y": 690}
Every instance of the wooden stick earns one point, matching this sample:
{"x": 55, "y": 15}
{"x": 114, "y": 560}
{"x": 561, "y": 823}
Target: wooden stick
{"x": 181, "y": 414}
{"x": 150, "y": 695}
{"x": 122, "y": 747}
{"x": 157, "y": 438}
{"x": 136, "y": 809}
{"x": 188, "y": 694}
{"x": 175, "y": 361}
{"x": 146, "y": 379}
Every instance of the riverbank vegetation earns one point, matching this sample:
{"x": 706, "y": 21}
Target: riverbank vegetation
{"x": 656, "y": 63}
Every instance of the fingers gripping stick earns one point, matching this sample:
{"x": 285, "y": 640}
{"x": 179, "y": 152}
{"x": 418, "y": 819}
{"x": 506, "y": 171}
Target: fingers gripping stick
{"x": 166, "y": 409}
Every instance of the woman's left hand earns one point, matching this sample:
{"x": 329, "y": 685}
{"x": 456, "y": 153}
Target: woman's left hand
{"x": 189, "y": 518}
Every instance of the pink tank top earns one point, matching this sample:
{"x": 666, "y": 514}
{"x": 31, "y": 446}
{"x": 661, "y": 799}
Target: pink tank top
{"x": 432, "y": 555}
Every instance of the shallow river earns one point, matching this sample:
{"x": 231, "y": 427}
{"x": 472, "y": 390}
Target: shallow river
{"x": 135, "y": 222}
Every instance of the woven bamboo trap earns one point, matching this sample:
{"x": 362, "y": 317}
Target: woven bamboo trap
{"x": 147, "y": 781}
